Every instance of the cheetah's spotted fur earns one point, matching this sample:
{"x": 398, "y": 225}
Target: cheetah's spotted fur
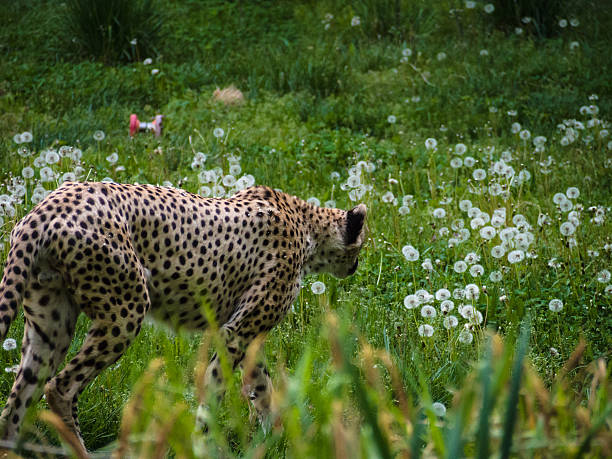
{"x": 117, "y": 252}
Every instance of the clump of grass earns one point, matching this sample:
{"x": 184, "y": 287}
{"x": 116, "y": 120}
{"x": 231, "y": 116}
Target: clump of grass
{"x": 114, "y": 30}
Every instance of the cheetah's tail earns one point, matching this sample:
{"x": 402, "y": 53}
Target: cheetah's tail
{"x": 12, "y": 286}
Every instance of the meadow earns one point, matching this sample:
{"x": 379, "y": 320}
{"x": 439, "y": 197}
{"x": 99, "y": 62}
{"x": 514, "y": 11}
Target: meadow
{"x": 479, "y": 321}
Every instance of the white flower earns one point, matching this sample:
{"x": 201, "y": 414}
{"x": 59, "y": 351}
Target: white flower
{"x": 476, "y": 222}
{"x": 317, "y": 287}
{"x": 472, "y": 258}
{"x": 391, "y": 119}
{"x": 574, "y": 22}
{"x": 470, "y": 4}
{"x": 47, "y": 174}
{"x": 574, "y": 45}
{"x": 426, "y": 330}
{"x": 472, "y": 292}
{"x": 447, "y": 305}
{"x": 441, "y": 56}
{"x": 154, "y": 71}
{"x": 410, "y": 253}
{"x": 567, "y": 228}
{"x": 479, "y": 174}
{"x": 147, "y": 61}
{"x": 572, "y": 192}
{"x": 428, "y": 312}
{"x": 404, "y": 210}
{"x": 69, "y": 177}
{"x": 460, "y": 266}
{"x": 467, "y": 311}
{"x": 603, "y": 276}
{"x": 498, "y": 251}
{"x": 52, "y": 157}
{"x": 558, "y": 198}
{"x": 465, "y": 337}
{"x": 489, "y": 8}
{"x": 516, "y": 256}
{"x": 99, "y": 135}
{"x": 495, "y": 276}
{"x": 411, "y": 301}
{"x": 555, "y": 305}
{"x": 229, "y": 181}
{"x": 439, "y": 213}
{"x": 566, "y": 206}
{"x": 112, "y": 158}
{"x": 525, "y": 134}
{"x": 450, "y": 322}
{"x": 218, "y": 132}
{"x": 424, "y": 296}
{"x": 26, "y": 137}
{"x": 353, "y": 181}
{"x": 465, "y": 205}
{"x": 456, "y": 163}
{"x": 460, "y": 148}
{"x": 469, "y": 161}
{"x": 27, "y": 172}
{"x": 427, "y": 265}
{"x": 443, "y": 294}
{"x": 431, "y": 143}
{"x": 439, "y": 409}
{"x": 12, "y": 369}
{"x": 563, "y": 23}
{"x": 355, "y": 21}
{"x": 484, "y": 52}
{"x": 487, "y": 232}
{"x": 476, "y": 270}
{"x": 9, "y": 344}
{"x": 515, "y": 128}
{"x": 459, "y": 294}
{"x": 388, "y": 197}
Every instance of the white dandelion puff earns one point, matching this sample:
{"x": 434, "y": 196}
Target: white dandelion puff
{"x": 426, "y": 330}
{"x": 555, "y": 305}
{"x": 317, "y": 287}
{"x": 9, "y": 344}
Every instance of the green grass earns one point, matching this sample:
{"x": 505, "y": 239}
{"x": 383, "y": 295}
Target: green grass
{"x": 352, "y": 372}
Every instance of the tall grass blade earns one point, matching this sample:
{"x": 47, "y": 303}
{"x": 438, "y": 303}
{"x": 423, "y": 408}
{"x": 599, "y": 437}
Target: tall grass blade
{"x": 515, "y": 384}
{"x": 482, "y": 435}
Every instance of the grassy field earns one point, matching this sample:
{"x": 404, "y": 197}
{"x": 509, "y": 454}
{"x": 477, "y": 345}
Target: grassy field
{"x": 480, "y": 319}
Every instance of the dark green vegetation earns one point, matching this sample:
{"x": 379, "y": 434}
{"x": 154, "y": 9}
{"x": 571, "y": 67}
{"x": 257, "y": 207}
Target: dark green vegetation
{"x": 323, "y": 96}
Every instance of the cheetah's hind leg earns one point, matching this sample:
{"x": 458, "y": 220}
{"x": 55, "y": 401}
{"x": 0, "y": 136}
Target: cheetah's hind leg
{"x": 50, "y": 318}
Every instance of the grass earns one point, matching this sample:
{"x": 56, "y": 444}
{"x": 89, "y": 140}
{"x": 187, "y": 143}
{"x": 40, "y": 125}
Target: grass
{"x": 326, "y": 102}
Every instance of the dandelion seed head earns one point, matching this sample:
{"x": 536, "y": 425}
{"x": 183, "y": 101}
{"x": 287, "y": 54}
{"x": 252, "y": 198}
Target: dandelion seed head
{"x": 450, "y": 322}
{"x": 555, "y": 305}
{"x": 516, "y": 256}
{"x": 410, "y": 253}
{"x": 426, "y": 330}
{"x": 9, "y": 344}
{"x": 411, "y": 301}
{"x": 317, "y": 287}
{"x": 465, "y": 337}
{"x": 431, "y": 143}
{"x": 439, "y": 409}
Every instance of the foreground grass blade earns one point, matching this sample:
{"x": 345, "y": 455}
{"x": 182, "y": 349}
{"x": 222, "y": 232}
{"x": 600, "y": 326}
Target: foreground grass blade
{"x": 515, "y": 384}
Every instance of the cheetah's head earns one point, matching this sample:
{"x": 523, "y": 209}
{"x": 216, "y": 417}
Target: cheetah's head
{"x": 338, "y": 253}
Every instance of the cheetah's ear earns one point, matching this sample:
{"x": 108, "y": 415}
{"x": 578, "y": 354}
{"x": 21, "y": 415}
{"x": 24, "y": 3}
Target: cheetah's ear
{"x": 354, "y": 223}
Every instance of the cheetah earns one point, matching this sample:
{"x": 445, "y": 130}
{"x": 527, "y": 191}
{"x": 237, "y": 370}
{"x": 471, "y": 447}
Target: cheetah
{"x": 120, "y": 252}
